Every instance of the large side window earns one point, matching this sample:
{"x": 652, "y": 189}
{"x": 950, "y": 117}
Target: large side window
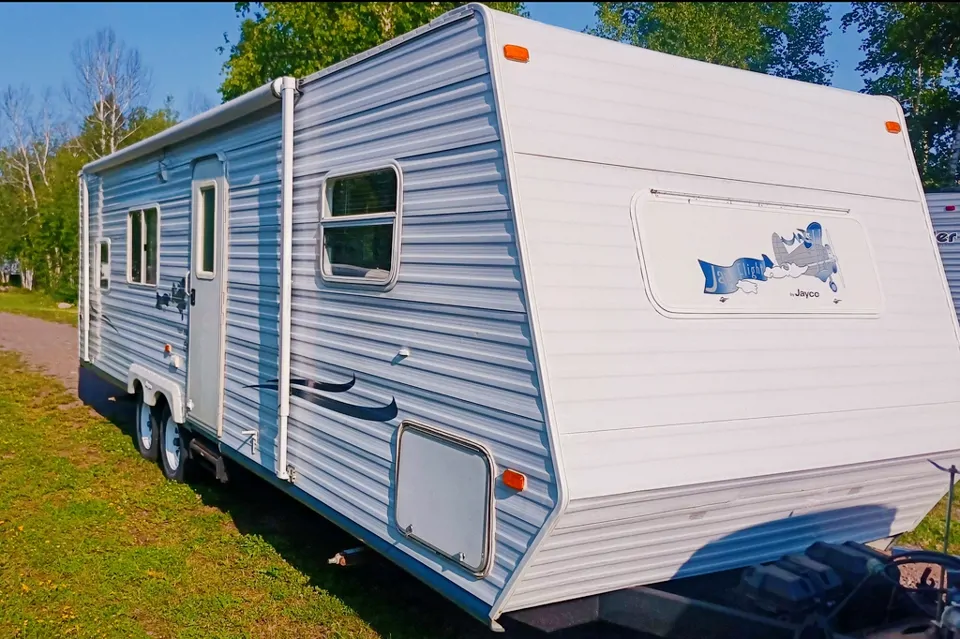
{"x": 360, "y": 221}
{"x": 103, "y": 259}
{"x": 143, "y": 246}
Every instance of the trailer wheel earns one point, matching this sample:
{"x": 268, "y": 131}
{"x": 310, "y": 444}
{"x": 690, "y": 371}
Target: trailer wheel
{"x": 146, "y": 434}
{"x": 174, "y": 455}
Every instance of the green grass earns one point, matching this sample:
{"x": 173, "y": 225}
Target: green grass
{"x": 929, "y": 533}
{"x": 36, "y": 304}
{"x": 94, "y": 542}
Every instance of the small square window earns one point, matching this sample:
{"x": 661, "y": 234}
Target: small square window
{"x": 143, "y": 246}
{"x": 359, "y": 227}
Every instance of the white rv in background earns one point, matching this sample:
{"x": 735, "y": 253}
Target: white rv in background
{"x": 944, "y": 208}
{"x": 534, "y": 314}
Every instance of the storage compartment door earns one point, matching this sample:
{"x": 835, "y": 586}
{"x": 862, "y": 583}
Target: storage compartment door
{"x": 444, "y": 495}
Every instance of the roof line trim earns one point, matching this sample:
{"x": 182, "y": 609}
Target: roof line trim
{"x": 225, "y": 113}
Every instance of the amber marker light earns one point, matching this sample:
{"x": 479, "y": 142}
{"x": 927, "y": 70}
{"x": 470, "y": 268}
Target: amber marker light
{"x": 513, "y": 479}
{"x": 516, "y": 53}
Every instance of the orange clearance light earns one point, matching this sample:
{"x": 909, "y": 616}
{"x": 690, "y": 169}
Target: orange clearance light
{"x": 893, "y": 127}
{"x": 516, "y": 53}
{"x": 167, "y": 348}
{"x": 513, "y": 479}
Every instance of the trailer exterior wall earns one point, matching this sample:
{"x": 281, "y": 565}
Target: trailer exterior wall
{"x": 253, "y": 292}
{"x": 458, "y": 303}
{"x": 691, "y": 444}
{"x": 93, "y": 211}
{"x": 131, "y": 323}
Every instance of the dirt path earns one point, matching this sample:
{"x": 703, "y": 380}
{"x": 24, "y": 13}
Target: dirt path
{"x": 52, "y": 347}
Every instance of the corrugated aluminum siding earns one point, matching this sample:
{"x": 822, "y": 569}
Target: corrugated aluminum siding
{"x": 458, "y": 303}
{"x": 253, "y": 291}
{"x": 131, "y": 323}
{"x": 95, "y": 232}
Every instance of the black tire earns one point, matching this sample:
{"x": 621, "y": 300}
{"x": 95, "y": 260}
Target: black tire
{"x": 146, "y": 432}
{"x": 173, "y": 447}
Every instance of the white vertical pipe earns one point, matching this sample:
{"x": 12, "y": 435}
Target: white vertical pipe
{"x": 85, "y": 263}
{"x": 286, "y": 88}
{"x": 80, "y": 265}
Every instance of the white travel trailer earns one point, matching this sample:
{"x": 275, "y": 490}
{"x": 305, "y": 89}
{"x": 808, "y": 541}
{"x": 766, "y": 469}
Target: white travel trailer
{"x": 535, "y": 314}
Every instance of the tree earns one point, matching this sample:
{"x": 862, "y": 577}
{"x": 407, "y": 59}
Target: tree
{"x": 40, "y": 161}
{"x": 26, "y": 167}
{"x": 780, "y": 38}
{"x": 299, "y": 38}
{"x": 111, "y": 84}
{"x": 197, "y": 103}
{"x": 912, "y": 54}
{"x": 798, "y": 51}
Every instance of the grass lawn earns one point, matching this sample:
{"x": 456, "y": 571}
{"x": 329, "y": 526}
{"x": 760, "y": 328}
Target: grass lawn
{"x": 929, "y": 533}
{"x": 94, "y": 542}
{"x": 36, "y": 304}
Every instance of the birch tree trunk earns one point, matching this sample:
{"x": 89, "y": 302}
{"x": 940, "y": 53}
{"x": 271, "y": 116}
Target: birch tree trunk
{"x": 111, "y": 84}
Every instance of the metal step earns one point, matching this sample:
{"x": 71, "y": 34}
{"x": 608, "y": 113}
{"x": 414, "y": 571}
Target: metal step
{"x": 200, "y": 449}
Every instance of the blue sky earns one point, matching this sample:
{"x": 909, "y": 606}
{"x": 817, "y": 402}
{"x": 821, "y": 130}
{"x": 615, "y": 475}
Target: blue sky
{"x": 178, "y": 41}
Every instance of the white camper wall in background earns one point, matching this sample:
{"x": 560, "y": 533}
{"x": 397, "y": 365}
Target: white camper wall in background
{"x": 944, "y": 208}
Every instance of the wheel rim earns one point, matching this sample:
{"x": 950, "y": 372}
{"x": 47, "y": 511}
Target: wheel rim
{"x": 145, "y": 426}
{"x": 171, "y": 444}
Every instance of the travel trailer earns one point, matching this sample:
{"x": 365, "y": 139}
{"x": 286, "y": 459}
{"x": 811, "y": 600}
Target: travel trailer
{"x": 534, "y": 314}
{"x": 944, "y": 208}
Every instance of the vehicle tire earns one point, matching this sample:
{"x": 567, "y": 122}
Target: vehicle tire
{"x": 174, "y": 454}
{"x": 146, "y": 431}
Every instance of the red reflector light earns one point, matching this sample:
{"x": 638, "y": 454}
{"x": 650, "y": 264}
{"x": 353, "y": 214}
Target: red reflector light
{"x": 950, "y": 207}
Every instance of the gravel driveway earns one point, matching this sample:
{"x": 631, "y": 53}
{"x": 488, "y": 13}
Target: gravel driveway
{"x": 52, "y": 348}
{"x": 49, "y": 346}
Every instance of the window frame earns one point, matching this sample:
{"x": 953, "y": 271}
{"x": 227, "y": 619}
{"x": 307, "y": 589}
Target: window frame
{"x": 327, "y": 220}
{"x": 199, "y": 230}
{"x": 143, "y": 250}
{"x": 99, "y": 243}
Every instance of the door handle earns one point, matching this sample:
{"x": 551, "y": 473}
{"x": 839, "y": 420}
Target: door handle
{"x": 193, "y": 297}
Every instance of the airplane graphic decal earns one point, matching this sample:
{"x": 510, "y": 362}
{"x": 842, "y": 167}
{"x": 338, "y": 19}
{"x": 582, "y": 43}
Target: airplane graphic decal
{"x": 803, "y": 253}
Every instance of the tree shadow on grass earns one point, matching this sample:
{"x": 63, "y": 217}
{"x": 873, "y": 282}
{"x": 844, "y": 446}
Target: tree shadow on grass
{"x": 389, "y": 600}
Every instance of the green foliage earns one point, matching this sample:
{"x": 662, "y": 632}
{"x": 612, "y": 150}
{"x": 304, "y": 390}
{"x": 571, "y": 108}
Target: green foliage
{"x": 140, "y": 124}
{"x": 40, "y": 224}
{"x": 912, "y": 54}
{"x": 300, "y": 38}
{"x": 780, "y": 38}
